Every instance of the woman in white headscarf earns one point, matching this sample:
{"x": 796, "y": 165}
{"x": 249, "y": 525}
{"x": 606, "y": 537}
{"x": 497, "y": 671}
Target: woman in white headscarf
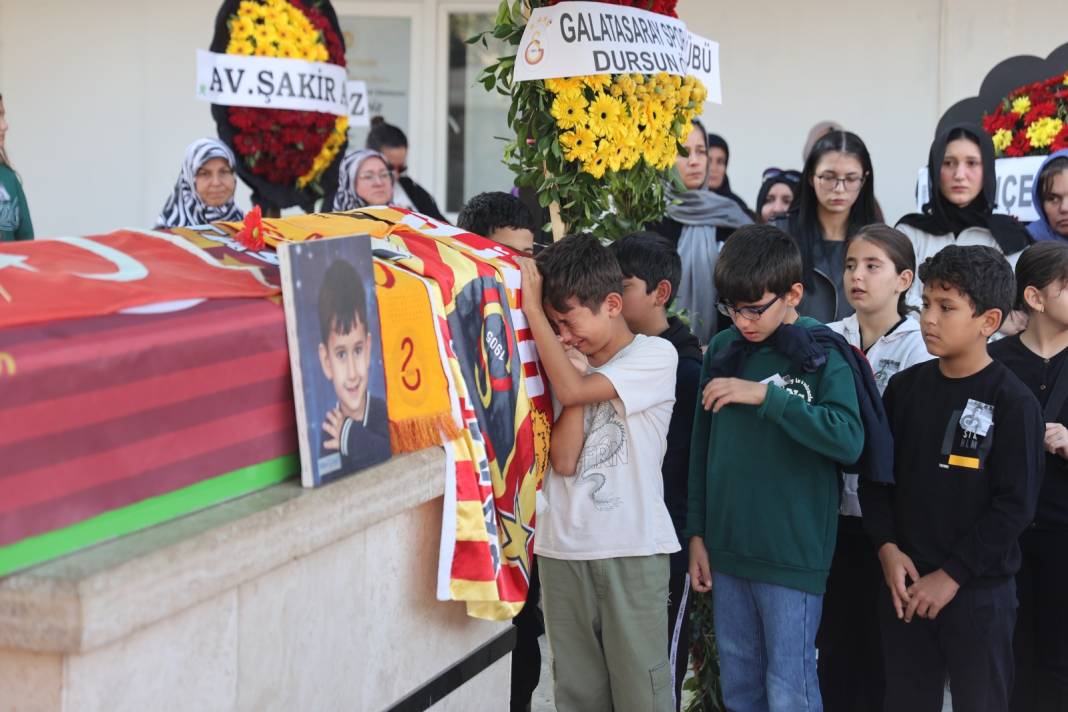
{"x": 205, "y": 189}
{"x": 364, "y": 178}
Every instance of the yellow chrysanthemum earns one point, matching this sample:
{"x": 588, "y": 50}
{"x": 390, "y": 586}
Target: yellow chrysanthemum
{"x": 569, "y": 109}
{"x": 1065, "y": 82}
{"x": 597, "y": 82}
{"x": 598, "y": 162}
{"x": 655, "y": 116}
{"x": 1021, "y": 105}
{"x": 1042, "y": 132}
{"x": 579, "y": 145}
{"x": 1002, "y": 140}
{"x": 241, "y": 47}
{"x": 565, "y": 84}
{"x": 604, "y": 112}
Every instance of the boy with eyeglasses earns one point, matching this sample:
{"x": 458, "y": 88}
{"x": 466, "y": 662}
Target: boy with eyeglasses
{"x": 779, "y": 414}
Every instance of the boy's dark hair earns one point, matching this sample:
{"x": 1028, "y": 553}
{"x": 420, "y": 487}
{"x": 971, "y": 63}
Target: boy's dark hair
{"x": 383, "y": 135}
{"x": 982, "y": 274}
{"x": 487, "y": 212}
{"x": 579, "y": 266}
{"x": 757, "y": 259}
{"x": 1039, "y": 266}
{"x": 342, "y": 303}
{"x": 650, "y": 258}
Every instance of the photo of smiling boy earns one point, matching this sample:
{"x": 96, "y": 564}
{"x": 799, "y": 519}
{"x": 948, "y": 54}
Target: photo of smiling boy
{"x": 968, "y": 459}
{"x": 356, "y": 429}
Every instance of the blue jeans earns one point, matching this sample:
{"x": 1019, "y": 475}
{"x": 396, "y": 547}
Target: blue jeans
{"x": 766, "y": 636}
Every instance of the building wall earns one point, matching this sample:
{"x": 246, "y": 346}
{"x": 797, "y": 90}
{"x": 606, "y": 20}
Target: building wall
{"x": 100, "y": 95}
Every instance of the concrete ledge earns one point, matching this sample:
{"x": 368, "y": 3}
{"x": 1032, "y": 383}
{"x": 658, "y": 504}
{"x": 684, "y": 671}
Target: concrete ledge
{"x": 101, "y": 595}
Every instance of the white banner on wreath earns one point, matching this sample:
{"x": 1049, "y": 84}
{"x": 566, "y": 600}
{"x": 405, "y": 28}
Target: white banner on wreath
{"x": 1015, "y": 182}
{"x": 578, "y": 38}
{"x": 272, "y": 83}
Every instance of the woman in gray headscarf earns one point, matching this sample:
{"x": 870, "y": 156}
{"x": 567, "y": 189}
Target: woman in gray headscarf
{"x": 364, "y": 178}
{"x": 697, "y": 222}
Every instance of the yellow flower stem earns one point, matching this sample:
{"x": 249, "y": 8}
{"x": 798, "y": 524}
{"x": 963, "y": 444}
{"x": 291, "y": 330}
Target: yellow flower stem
{"x": 558, "y": 224}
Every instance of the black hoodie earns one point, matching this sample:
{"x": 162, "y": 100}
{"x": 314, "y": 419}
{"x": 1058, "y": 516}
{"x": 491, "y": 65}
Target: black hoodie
{"x": 676, "y": 467}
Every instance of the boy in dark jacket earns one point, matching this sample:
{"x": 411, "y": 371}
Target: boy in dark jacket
{"x": 651, "y": 270}
{"x": 779, "y": 415}
{"x": 968, "y": 457}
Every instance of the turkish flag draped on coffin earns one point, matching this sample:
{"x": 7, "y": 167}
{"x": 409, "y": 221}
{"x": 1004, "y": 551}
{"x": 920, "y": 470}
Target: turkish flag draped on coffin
{"x": 69, "y": 277}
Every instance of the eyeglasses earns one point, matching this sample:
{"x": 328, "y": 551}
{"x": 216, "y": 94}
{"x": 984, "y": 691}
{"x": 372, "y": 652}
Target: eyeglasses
{"x": 829, "y": 181}
{"x": 790, "y": 174}
{"x": 383, "y": 176}
{"x": 747, "y": 313}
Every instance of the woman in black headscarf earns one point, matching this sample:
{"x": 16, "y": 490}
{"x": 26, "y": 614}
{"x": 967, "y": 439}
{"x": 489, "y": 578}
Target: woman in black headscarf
{"x": 778, "y": 191}
{"x": 960, "y": 173}
{"x": 719, "y": 155}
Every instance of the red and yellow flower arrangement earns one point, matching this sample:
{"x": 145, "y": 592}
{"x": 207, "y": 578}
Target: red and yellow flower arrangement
{"x": 284, "y": 155}
{"x": 1032, "y": 120}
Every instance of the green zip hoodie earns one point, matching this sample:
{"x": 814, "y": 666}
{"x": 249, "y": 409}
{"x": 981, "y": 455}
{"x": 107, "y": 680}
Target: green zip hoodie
{"x": 763, "y": 485}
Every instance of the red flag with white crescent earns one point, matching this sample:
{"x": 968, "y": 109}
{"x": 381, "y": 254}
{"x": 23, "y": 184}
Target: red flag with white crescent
{"x": 69, "y": 277}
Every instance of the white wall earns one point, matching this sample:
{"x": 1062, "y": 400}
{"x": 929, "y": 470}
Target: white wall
{"x": 886, "y": 71}
{"x": 100, "y": 94}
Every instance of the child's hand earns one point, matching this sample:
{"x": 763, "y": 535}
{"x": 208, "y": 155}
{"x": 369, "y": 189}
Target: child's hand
{"x": 332, "y": 426}
{"x": 700, "y": 569}
{"x": 724, "y": 391}
{"x": 531, "y": 284}
{"x": 896, "y": 566}
{"x": 1057, "y": 440}
{"x": 930, "y": 595}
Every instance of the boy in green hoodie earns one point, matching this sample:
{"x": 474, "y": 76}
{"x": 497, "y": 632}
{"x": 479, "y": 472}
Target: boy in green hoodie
{"x": 778, "y": 416}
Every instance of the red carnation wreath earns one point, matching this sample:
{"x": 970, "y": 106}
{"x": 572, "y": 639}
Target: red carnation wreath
{"x": 285, "y": 156}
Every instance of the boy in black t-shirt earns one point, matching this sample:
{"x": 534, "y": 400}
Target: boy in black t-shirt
{"x": 968, "y": 459}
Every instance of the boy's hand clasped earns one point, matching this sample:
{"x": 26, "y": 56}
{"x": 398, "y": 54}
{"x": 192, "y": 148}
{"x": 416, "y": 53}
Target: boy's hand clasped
{"x": 531, "y": 284}
{"x": 332, "y": 426}
{"x": 724, "y": 391}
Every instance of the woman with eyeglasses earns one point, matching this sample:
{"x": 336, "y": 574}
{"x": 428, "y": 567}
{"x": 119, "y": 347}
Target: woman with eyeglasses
{"x": 719, "y": 155}
{"x": 697, "y": 221}
{"x": 15, "y": 223}
{"x": 960, "y": 172}
{"x": 205, "y": 188}
{"x": 364, "y": 178}
{"x": 391, "y": 142}
{"x": 778, "y": 190}
{"x": 837, "y": 198}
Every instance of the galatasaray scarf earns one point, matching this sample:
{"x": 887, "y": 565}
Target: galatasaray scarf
{"x": 496, "y": 390}
{"x": 184, "y": 207}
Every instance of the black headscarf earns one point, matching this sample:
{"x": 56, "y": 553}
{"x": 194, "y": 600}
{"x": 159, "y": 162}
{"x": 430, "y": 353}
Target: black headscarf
{"x": 717, "y": 141}
{"x": 940, "y": 216}
{"x": 770, "y": 183}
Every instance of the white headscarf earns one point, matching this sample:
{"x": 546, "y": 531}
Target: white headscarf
{"x": 185, "y": 207}
{"x": 346, "y": 198}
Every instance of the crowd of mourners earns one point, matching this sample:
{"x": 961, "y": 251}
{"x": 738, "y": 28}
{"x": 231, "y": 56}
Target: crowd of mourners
{"x": 851, "y": 435}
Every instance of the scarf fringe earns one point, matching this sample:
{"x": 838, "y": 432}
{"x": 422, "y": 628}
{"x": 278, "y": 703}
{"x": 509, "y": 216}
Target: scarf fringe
{"x": 421, "y": 432}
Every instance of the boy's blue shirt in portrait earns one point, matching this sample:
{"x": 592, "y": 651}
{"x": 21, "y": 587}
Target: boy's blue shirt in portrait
{"x": 763, "y": 485}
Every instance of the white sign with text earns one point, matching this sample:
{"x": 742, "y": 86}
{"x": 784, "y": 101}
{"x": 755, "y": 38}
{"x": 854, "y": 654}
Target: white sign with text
{"x": 579, "y": 38}
{"x": 272, "y": 83}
